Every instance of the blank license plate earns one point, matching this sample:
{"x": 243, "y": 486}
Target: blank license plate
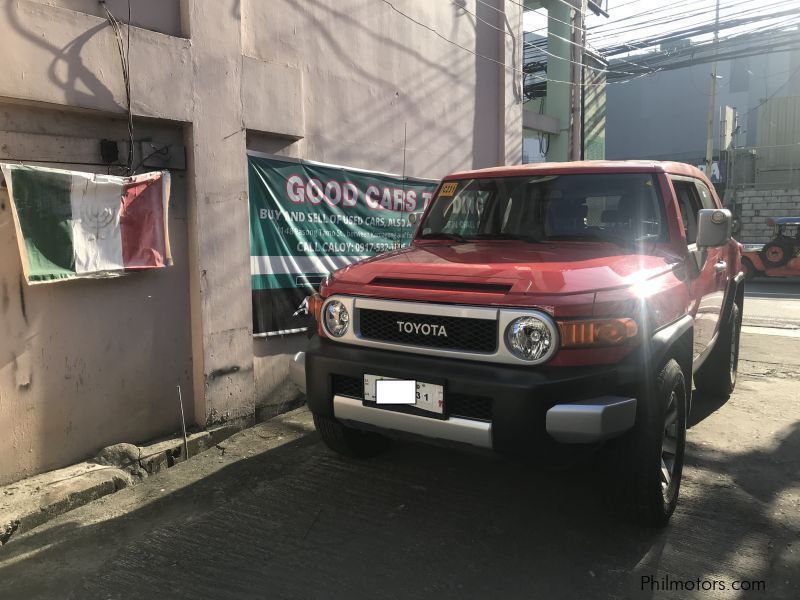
{"x": 425, "y": 396}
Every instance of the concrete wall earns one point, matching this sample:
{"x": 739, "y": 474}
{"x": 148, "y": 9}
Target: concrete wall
{"x": 84, "y": 364}
{"x": 754, "y": 207}
{"x": 329, "y": 80}
{"x": 368, "y": 73}
{"x": 163, "y": 16}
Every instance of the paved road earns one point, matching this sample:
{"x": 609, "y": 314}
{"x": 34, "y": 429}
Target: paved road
{"x": 275, "y": 515}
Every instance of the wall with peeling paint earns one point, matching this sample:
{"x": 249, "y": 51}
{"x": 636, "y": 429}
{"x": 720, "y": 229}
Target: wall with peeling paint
{"x": 85, "y": 364}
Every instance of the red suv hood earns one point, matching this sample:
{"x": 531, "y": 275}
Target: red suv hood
{"x": 508, "y": 267}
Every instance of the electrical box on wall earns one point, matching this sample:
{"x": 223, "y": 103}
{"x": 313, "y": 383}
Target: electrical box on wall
{"x": 109, "y": 151}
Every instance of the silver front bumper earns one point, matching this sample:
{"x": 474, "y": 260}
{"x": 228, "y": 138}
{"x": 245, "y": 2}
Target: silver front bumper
{"x": 592, "y": 420}
{"x": 466, "y": 431}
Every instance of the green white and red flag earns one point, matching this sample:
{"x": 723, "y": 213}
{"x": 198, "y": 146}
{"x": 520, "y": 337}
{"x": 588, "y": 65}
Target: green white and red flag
{"x": 72, "y": 225}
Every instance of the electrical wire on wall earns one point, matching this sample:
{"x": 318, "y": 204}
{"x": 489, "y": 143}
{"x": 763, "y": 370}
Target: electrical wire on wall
{"x": 124, "y": 48}
{"x": 501, "y": 63}
{"x": 782, "y": 37}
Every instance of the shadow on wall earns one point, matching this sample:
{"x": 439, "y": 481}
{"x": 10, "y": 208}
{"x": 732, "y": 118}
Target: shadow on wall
{"x": 78, "y": 75}
{"x": 426, "y": 102}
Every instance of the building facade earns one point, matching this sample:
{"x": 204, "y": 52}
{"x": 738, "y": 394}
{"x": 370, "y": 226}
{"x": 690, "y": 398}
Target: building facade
{"x": 85, "y": 364}
{"x": 564, "y": 86}
{"x": 665, "y": 115}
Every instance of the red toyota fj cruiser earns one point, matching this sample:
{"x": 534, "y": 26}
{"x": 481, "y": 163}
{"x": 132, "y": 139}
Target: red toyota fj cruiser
{"x": 539, "y": 308}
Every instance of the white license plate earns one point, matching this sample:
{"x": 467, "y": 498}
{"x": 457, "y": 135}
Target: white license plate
{"x": 425, "y": 396}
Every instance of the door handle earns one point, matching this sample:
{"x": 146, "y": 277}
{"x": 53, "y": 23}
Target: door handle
{"x": 721, "y": 266}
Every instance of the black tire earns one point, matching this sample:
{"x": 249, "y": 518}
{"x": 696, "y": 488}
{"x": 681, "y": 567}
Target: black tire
{"x": 717, "y": 376}
{"x": 777, "y": 253}
{"x": 347, "y": 441}
{"x": 749, "y": 269}
{"x": 654, "y": 449}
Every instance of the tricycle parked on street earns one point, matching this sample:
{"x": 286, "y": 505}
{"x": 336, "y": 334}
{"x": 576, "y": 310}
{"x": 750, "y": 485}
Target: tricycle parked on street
{"x": 780, "y": 257}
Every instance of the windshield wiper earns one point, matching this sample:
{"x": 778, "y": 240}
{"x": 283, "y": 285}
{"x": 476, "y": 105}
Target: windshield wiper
{"x": 619, "y": 241}
{"x": 444, "y": 236}
{"x": 506, "y": 236}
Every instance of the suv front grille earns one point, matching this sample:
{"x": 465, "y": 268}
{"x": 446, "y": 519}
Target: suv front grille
{"x": 468, "y": 335}
{"x": 478, "y": 408}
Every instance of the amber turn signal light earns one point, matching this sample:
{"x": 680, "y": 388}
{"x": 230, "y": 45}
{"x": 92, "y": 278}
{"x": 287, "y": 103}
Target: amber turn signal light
{"x": 315, "y": 302}
{"x": 602, "y": 332}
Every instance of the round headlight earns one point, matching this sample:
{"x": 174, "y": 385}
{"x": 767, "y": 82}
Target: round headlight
{"x": 531, "y": 339}
{"x": 336, "y": 318}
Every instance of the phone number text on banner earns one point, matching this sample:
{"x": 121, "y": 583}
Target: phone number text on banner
{"x": 309, "y": 219}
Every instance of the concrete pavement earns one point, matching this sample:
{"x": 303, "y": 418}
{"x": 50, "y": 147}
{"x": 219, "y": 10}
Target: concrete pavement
{"x": 273, "y": 514}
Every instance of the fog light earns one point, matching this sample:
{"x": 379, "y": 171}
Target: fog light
{"x": 336, "y": 318}
{"x": 532, "y": 339}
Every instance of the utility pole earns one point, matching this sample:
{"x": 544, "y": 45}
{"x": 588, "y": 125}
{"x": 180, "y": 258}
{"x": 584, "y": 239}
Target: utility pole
{"x": 578, "y": 52}
{"x": 712, "y": 101}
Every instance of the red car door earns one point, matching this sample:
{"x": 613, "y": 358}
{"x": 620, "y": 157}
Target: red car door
{"x": 708, "y": 271}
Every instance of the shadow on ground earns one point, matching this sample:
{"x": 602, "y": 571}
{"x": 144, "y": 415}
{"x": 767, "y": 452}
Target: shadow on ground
{"x": 422, "y": 522}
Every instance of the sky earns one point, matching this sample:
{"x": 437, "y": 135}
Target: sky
{"x": 627, "y": 19}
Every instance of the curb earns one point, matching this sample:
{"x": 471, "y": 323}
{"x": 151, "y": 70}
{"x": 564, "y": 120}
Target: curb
{"x": 31, "y": 502}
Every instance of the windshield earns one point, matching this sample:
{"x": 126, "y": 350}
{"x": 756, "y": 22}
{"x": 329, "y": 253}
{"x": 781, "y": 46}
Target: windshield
{"x": 618, "y": 207}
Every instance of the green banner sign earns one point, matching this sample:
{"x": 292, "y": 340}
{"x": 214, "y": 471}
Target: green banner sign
{"x": 309, "y": 219}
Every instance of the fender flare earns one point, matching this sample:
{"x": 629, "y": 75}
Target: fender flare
{"x": 663, "y": 343}
{"x": 735, "y": 293}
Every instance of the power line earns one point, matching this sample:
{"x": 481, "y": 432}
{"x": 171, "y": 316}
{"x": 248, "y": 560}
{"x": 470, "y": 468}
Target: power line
{"x": 583, "y": 47}
{"x": 501, "y": 63}
{"x": 623, "y": 4}
{"x": 633, "y": 76}
{"x": 614, "y": 24}
{"x": 779, "y": 36}
{"x": 732, "y": 46}
{"x": 738, "y": 49}
{"x": 528, "y": 45}
{"x": 548, "y": 16}
{"x": 501, "y": 30}
{"x": 742, "y": 18}
{"x": 750, "y": 51}
{"x": 448, "y": 40}
{"x": 690, "y": 32}
{"x": 773, "y": 94}
{"x": 670, "y": 14}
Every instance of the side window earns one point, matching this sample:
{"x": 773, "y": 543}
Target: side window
{"x": 689, "y": 204}
{"x": 706, "y": 199}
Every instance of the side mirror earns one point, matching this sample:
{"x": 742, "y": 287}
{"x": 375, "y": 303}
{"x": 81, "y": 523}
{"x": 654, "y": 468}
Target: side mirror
{"x": 714, "y": 227}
